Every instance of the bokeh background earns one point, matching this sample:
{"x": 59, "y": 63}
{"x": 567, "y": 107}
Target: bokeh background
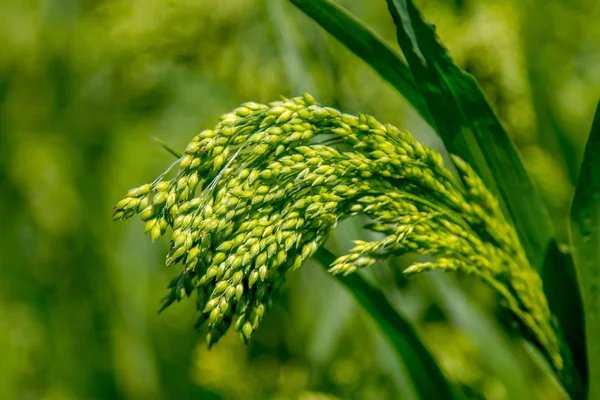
{"x": 86, "y": 84}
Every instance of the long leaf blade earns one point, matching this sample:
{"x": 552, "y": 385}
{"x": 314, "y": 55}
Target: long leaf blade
{"x": 585, "y": 240}
{"x": 426, "y": 375}
{"x": 366, "y": 44}
{"x": 470, "y": 129}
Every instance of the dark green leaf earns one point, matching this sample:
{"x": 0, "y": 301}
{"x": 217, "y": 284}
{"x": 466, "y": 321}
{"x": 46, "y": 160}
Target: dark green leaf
{"x": 560, "y": 287}
{"x": 585, "y": 240}
{"x": 470, "y": 129}
{"x": 366, "y": 44}
{"x": 426, "y": 375}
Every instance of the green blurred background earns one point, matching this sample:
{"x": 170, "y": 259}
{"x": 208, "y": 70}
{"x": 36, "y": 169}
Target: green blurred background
{"x": 86, "y": 84}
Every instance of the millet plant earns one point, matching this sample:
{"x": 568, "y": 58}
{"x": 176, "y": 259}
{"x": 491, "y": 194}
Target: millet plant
{"x": 257, "y": 195}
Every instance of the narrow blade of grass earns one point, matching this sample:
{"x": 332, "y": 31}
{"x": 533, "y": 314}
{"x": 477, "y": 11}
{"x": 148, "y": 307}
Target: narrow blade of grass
{"x": 585, "y": 240}
{"x": 564, "y": 300}
{"x": 470, "y": 129}
{"x": 366, "y": 44}
{"x": 426, "y": 375}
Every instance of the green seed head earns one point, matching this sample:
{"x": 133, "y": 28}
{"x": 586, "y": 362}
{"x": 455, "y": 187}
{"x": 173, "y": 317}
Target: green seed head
{"x": 254, "y": 198}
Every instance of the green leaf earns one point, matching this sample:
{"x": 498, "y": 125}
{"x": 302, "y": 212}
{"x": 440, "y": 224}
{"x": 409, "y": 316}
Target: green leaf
{"x": 366, "y": 44}
{"x": 428, "y": 379}
{"x": 471, "y": 130}
{"x": 564, "y": 300}
{"x": 469, "y": 127}
{"x": 585, "y": 240}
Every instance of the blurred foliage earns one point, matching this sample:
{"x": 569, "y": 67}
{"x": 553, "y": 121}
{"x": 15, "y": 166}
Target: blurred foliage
{"x": 85, "y": 85}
